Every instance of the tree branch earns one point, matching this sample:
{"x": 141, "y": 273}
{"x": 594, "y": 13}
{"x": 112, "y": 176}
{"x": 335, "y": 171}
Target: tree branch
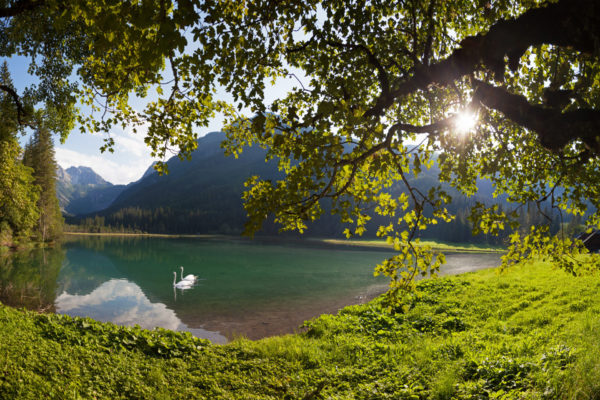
{"x": 20, "y": 7}
{"x": 568, "y": 23}
{"x": 20, "y": 110}
{"x": 554, "y": 128}
{"x": 382, "y": 74}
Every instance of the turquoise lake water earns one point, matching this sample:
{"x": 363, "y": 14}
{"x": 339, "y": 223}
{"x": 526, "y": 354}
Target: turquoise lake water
{"x": 250, "y": 288}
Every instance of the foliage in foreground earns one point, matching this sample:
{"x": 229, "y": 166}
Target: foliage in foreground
{"x": 28, "y": 204}
{"x": 530, "y": 333}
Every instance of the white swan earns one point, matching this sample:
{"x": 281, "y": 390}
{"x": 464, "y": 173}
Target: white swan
{"x": 181, "y": 284}
{"x": 188, "y": 278}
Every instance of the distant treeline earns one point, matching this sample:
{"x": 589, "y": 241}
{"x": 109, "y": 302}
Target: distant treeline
{"x": 165, "y": 220}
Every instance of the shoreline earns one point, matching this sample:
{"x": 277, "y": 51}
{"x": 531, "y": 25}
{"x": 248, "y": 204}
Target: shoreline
{"x": 164, "y": 235}
{"x": 435, "y": 246}
{"x": 367, "y": 244}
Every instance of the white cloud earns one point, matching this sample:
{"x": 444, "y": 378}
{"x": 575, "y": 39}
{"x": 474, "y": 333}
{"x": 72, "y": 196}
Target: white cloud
{"x": 110, "y": 170}
{"x": 133, "y": 144}
{"x": 130, "y": 159}
{"x": 128, "y": 163}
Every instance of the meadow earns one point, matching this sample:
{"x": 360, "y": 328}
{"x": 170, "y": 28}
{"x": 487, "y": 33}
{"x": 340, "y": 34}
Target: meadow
{"x": 436, "y": 245}
{"x": 531, "y": 332}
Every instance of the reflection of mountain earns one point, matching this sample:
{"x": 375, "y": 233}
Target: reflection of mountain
{"x": 93, "y": 261}
{"x": 246, "y": 267}
{"x": 29, "y": 278}
{"x": 246, "y": 288}
{"x": 97, "y": 280}
{"x": 124, "y": 303}
{"x": 130, "y": 248}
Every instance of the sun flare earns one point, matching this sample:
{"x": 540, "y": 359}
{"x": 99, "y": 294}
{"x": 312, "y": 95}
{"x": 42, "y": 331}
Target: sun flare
{"x": 465, "y": 121}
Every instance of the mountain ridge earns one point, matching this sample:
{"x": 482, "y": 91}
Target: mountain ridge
{"x": 203, "y": 196}
{"x": 80, "y": 190}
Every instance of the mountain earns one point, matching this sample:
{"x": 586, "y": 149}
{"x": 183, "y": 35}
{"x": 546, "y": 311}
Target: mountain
{"x": 85, "y": 176}
{"x": 192, "y": 184}
{"x": 80, "y": 190}
{"x": 149, "y": 171}
{"x": 203, "y": 195}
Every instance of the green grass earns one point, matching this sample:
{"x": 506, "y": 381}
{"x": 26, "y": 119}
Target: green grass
{"x": 530, "y": 333}
{"x": 435, "y": 245}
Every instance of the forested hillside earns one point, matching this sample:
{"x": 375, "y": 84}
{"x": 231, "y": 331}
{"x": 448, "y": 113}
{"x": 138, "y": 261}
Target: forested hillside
{"x": 204, "y": 195}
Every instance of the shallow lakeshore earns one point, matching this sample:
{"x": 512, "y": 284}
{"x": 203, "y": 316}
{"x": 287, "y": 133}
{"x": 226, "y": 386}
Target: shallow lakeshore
{"x": 254, "y": 288}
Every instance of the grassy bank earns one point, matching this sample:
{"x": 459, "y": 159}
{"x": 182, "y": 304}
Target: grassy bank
{"x": 435, "y": 245}
{"x": 531, "y": 333}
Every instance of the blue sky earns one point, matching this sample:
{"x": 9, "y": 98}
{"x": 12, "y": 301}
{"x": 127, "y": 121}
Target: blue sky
{"x": 131, "y": 156}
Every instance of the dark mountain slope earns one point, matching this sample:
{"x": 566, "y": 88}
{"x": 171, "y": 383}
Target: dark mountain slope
{"x": 203, "y": 195}
{"x": 198, "y": 196}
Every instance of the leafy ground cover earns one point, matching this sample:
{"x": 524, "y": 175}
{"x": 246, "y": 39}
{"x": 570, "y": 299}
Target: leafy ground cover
{"x": 530, "y": 333}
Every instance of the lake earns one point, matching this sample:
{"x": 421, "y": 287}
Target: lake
{"x": 245, "y": 288}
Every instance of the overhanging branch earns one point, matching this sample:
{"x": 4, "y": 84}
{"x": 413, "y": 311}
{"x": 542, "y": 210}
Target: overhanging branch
{"x": 568, "y": 23}
{"x": 554, "y": 128}
{"x": 20, "y": 110}
{"x": 19, "y": 7}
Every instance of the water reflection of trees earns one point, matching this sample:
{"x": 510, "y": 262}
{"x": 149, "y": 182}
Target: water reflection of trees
{"x": 130, "y": 248}
{"x": 99, "y": 243}
{"x": 29, "y": 278}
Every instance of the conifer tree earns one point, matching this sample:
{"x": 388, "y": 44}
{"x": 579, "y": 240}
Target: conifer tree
{"x": 39, "y": 155}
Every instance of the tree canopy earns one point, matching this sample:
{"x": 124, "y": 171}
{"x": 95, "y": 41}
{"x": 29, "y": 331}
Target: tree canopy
{"x": 18, "y": 194}
{"x": 372, "y": 77}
